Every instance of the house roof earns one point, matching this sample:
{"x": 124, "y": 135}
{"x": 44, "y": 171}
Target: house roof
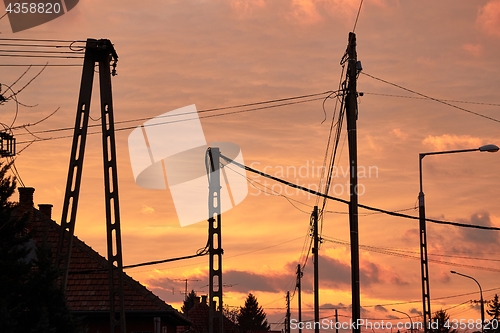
{"x": 198, "y": 315}
{"x": 88, "y": 285}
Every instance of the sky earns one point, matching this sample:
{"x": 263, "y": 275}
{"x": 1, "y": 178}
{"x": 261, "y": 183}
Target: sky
{"x": 223, "y": 53}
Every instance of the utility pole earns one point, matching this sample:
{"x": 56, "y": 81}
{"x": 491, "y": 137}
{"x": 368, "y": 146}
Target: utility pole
{"x": 215, "y": 243}
{"x": 101, "y": 52}
{"x": 336, "y": 321}
{"x": 299, "y": 295}
{"x": 287, "y": 326}
{"x": 316, "y": 271}
{"x": 352, "y": 117}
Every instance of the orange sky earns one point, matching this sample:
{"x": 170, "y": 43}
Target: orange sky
{"x": 228, "y": 52}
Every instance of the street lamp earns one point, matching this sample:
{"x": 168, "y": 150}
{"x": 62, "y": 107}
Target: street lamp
{"x": 480, "y": 293}
{"x": 423, "y": 233}
{"x": 411, "y": 322}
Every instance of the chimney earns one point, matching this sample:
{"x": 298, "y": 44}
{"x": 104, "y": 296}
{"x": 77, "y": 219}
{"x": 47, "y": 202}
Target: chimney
{"x": 204, "y": 299}
{"x": 46, "y": 209}
{"x": 25, "y": 202}
{"x": 26, "y": 196}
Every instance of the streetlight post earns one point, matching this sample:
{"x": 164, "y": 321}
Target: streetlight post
{"x": 426, "y": 301}
{"x": 480, "y": 293}
{"x": 411, "y": 322}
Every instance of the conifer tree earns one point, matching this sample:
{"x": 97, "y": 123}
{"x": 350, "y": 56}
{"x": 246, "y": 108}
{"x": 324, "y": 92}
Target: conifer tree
{"x": 189, "y": 302}
{"x": 494, "y": 313}
{"x": 252, "y": 317}
{"x": 30, "y": 298}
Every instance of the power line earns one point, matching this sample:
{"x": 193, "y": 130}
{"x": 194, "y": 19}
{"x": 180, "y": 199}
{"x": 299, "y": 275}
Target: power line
{"x": 38, "y": 56}
{"x": 44, "y": 40}
{"x": 41, "y": 65}
{"x": 456, "y": 224}
{"x": 402, "y": 255}
{"x": 425, "y": 98}
{"x": 357, "y": 16}
{"x": 290, "y": 99}
{"x": 431, "y": 98}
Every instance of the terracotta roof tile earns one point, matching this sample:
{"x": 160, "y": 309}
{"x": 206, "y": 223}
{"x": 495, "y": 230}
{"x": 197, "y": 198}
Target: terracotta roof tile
{"x": 87, "y": 287}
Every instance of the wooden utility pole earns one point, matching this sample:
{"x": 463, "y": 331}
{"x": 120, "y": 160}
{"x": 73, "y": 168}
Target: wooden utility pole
{"x": 287, "y": 326}
{"x": 299, "y": 295}
{"x": 352, "y": 117}
{"x": 316, "y": 270}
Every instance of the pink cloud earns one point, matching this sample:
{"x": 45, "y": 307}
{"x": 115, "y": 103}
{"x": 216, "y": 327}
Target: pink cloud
{"x": 489, "y": 18}
{"x": 447, "y": 141}
{"x": 474, "y": 49}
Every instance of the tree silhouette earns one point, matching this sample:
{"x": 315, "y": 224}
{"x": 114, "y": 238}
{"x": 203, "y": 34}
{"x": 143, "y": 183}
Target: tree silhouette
{"x": 252, "y": 317}
{"x": 494, "y": 313}
{"x": 30, "y": 298}
{"x": 189, "y": 302}
{"x": 441, "y": 323}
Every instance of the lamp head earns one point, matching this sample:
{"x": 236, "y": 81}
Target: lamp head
{"x": 489, "y": 148}
{"x": 453, "y": 272}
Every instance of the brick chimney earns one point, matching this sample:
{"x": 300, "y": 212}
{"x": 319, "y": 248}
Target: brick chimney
{"x": 204, "y": 299}
{"x": 26, "y": 196}
{"x": 46, "y": 209}
{"x": 25, "y": 202}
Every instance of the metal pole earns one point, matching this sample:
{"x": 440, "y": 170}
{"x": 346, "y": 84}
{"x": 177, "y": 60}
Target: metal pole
{"x": 424, "y": 267}
{"x": 480, "y": 294}
{"x": 215, "y": 243}
{"x": 411, "y": 321}
{"x": 426, "y": 303}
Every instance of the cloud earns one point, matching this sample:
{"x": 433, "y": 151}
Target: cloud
{"x": 245, "y": 282}
{"x": 447, "y": 141}
{"x": 489, "y": 18}
{"x": 246, "y": 8}
{"x": 399, "y": 134}
{"x": 415, "y": 311}
{"x": 305, "y": 11}
{"x": 475, "y": 50}
{"x": 330, "y": 306}
{"x": 380, "y": 308}
{"x": 479, "y": 236}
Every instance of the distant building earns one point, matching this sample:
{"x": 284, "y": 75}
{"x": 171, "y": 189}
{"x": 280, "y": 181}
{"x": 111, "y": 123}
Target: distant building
{"x": 198, "y": 315}
{"x": 87, "y": 293}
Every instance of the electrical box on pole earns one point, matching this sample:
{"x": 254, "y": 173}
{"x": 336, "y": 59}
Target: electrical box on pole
{"x": 101, "y": 53}
{"x": 7, "y": 145}
{"x": 215, "y": 244}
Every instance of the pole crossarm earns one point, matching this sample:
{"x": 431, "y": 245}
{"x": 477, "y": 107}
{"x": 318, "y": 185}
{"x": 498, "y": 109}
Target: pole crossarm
{"x": 305, "y": 189}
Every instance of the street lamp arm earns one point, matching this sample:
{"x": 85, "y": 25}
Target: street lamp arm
{"x": 470, "y": 277}
{"x": 480, "y": 293}
{"x": 488, "y": 148}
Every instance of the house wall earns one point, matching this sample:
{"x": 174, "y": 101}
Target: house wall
{"x": 141, "y": 324}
